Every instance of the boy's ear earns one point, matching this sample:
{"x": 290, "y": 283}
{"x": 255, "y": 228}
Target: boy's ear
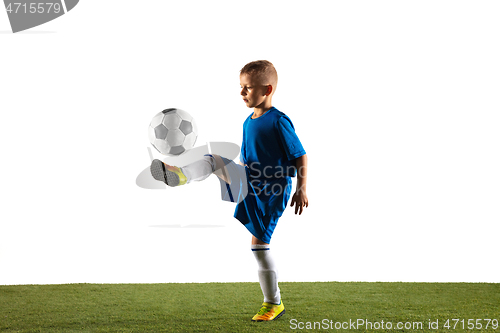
{"x": 269, "y": 90}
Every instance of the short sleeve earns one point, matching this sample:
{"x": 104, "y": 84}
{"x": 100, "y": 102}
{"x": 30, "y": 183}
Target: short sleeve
{"x": 289, "y": 139}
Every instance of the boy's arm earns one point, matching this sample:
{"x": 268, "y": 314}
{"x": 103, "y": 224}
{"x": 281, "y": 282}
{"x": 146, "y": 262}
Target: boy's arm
{"x": 300, "y": 196}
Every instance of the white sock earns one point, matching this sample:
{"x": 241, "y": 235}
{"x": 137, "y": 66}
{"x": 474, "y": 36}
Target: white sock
{"x": 268, "y": 274}
{"x": 199, "y": 170}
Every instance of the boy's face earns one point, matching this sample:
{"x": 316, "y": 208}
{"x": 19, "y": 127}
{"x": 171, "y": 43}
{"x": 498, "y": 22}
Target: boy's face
{"x": 254, "y": 92}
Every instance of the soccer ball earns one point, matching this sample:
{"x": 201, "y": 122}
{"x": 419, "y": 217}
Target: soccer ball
{"x": 172, "y": 132}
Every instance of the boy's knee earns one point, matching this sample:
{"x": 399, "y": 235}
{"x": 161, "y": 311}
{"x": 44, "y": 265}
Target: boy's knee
{"x": 210, "y": 159}
{"x": 219, "y": 167}
{"x": 216, "y": 161}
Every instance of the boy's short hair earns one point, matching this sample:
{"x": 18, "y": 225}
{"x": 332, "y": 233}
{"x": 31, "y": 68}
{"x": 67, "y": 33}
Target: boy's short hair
{"x": 263, "y": 69}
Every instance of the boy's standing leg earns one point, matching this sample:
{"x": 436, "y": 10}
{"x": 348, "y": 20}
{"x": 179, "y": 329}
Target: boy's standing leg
{"x": 272, "y": 308}
{"x": 268, "y": 275}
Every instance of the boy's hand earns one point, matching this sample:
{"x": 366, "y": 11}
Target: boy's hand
{"x": 300, "y": 200}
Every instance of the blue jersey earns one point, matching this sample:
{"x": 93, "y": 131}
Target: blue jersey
{"x": 270, "y": 145}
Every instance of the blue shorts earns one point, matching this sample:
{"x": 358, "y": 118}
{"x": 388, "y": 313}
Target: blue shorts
{"x": 260, "y": 202}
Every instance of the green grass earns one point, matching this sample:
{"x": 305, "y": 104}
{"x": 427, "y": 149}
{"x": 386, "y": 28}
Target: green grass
{"x": 228, "y": 307}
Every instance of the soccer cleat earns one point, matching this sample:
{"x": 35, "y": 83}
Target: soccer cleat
{"x": 170, "y": 175}
{"x": 269, "y": 312}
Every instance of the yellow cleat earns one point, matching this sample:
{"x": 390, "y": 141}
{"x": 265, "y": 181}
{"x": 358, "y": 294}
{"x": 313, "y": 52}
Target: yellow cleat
{"x": 269, "y": 312}
{"x": 170, "y": 175}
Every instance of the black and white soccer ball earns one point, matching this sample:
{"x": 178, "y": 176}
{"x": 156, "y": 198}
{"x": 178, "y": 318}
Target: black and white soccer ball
{"x": 173, "y": 131}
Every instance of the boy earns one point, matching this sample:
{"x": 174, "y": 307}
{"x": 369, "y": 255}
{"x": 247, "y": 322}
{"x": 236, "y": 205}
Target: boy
{"x": 271, "y": 154}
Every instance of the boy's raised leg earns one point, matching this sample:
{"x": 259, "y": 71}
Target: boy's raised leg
{"x": 197, "y": 171}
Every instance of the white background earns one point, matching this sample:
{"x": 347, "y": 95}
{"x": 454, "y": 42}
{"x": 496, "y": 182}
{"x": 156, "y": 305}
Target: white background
{"x": 396, "y": 102}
